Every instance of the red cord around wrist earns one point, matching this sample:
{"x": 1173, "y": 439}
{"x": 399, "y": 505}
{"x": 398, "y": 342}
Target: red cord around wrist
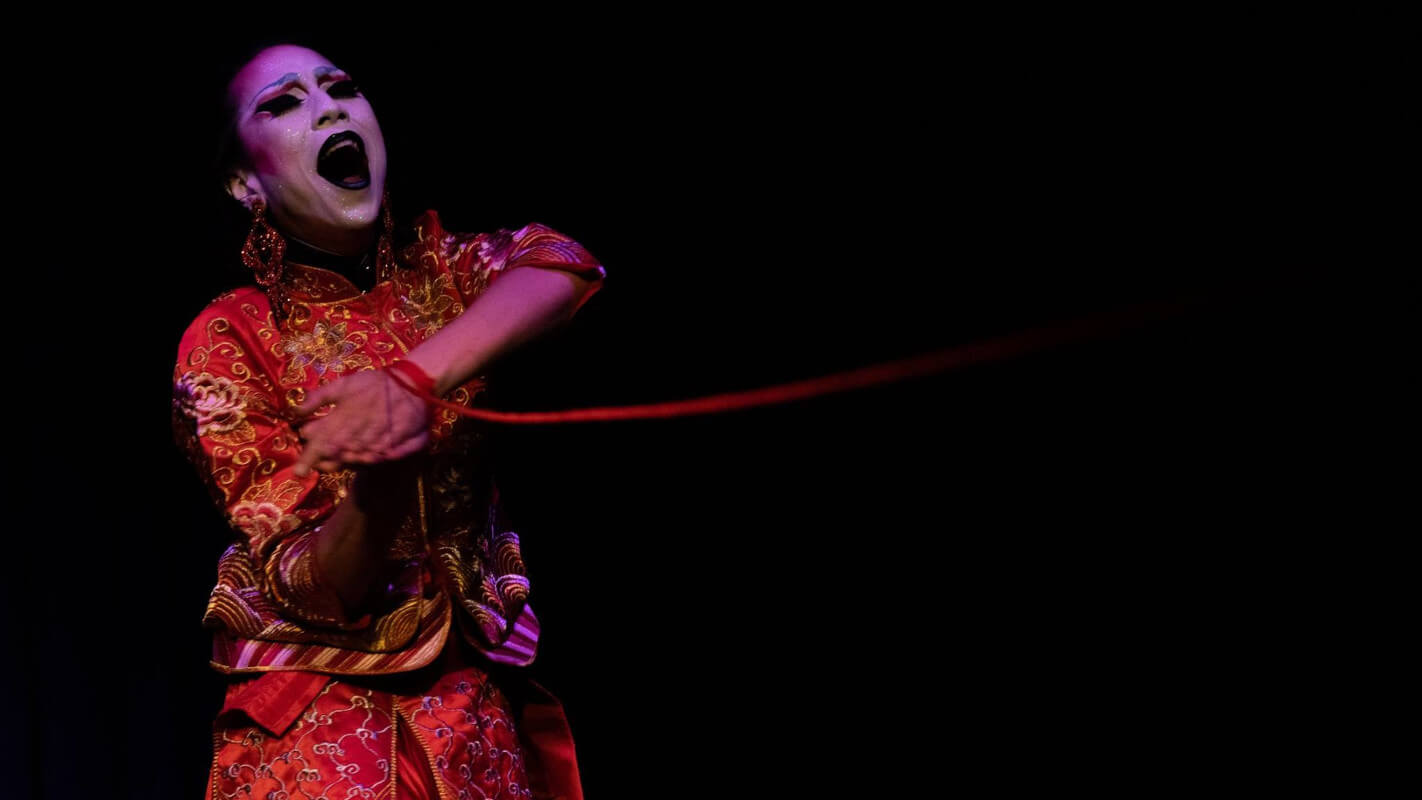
{"x": 414, "y": 380}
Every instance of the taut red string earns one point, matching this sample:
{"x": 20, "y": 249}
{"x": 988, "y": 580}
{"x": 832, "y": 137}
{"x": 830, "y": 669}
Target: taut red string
{"x": 996, "y": 349}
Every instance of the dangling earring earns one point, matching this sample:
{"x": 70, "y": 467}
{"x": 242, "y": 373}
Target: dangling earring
{"x": 385, "y": 252}
{"x": 263, "y": 253}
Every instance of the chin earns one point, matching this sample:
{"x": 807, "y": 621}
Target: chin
{"x": 360, "y": 216}
{"x": 356, "y": 210}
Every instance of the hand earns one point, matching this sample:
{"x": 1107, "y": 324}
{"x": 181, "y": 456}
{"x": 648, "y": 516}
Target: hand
{"x": 374, "y": 420}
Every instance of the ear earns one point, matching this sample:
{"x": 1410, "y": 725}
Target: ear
{"x": 244, "y": 187}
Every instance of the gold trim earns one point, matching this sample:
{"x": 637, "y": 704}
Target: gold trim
{"x": 424, "y": 517}
{"x": 434, "y": 771}
{"x": 216, "y": 741}
{"x": 446, "y": 617}
{"x": 405, "y": 349}
{"x": 289, "y": 280}
{"x": 395, "y": 747}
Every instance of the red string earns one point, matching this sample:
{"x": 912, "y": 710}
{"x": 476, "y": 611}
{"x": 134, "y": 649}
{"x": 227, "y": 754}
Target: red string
{"x": 415, "y": 380}
{"x": 1000, "y": 348}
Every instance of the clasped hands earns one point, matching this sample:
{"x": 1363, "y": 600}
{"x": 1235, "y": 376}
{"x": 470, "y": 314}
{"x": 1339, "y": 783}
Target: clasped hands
{"x": 374, "y": 420}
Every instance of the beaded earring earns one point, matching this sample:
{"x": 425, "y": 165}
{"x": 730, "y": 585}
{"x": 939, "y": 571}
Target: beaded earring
{"x": 263, "y": 253}
{"x": 385, "y": 251}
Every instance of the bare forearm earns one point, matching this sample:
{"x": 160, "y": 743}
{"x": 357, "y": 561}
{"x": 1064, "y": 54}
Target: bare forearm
{"x": 352, "y": 543}
{"x": 519, "y": 306}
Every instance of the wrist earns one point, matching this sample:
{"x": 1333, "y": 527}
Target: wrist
{"x": 414, "y": 379}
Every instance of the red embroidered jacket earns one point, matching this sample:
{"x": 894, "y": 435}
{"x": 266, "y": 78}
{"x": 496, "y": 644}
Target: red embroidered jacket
{"x": 238, "y": 379}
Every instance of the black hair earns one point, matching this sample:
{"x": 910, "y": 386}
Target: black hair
{"x": 229, "y": 148}
{"x": 231, "y": 221}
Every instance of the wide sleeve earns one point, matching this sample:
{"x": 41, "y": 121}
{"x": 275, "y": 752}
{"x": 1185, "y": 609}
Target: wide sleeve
{"x": 475, "y": 261}
{"x": 230, "y": 420}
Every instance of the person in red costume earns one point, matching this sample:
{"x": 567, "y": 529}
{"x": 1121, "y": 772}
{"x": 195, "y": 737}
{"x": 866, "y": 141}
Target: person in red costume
{"x": 372, "y": 610}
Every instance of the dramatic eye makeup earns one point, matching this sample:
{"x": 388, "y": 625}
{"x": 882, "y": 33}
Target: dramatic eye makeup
{"x": 279, "y": 104}
{"x": 343, "y": 88}
{"x": 337, "y": 83}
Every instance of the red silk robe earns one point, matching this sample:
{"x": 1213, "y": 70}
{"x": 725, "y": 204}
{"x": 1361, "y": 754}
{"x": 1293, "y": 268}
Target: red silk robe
{"x": 453, "y": 598}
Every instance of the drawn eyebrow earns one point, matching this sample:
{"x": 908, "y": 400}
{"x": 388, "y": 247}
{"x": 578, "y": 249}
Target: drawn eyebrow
{"x": 287, "y": 78}
{"x": 292, "y": 77}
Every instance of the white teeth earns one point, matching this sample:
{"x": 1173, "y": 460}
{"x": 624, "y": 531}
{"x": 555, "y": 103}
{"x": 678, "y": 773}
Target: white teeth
{"x": 341, "y": 145}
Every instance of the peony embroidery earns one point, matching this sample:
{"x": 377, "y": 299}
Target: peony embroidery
{"x": 262, "y": 520}
{"x": 217, "y": 405}
{"x": 454, "y": 245}
{"x": 494, "y": 247}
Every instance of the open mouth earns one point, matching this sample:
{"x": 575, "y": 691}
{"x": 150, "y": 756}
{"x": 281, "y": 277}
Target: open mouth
{"x": 342, "y": 161}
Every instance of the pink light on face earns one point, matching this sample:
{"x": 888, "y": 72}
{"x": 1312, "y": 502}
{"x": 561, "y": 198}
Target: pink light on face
{"x": 290, "y": 103}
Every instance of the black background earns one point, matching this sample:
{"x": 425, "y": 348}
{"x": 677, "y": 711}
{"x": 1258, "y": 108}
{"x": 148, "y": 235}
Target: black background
{"x": 1011, "y": 572}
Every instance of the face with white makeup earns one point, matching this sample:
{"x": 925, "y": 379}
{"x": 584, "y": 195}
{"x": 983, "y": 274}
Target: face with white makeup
{"x": 309, "y": 147}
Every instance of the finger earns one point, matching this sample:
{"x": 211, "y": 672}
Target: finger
{"x": 308, "y": 458}
{"x": 313, "y": 429}
{"x": 315, "y": 451}
{"x": 334, "y": 439}
{"x": 320, "y": 397}
{"x": 409, "y": 447}
{"x": 360, "y": 456}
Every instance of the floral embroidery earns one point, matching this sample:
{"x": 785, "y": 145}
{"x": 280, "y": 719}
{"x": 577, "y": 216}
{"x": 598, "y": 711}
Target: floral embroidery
{"x": 494, "y": 246}
{"x": 283, "y": 496}
{"x": 217, "y": 405}
{"x": 337, "y": 483}
{"x": 342, "y": 746}
{"x": 467, "y": 729}
{"x": 261, "y": 521}
{"x": 239, "y": 428}
{"x": 454, "y": 245}
{"x": 326, "y": 348}
{"x": 428, "y": 302}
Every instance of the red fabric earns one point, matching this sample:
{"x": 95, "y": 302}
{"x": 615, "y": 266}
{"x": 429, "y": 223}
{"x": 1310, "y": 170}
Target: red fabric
{"x": 239, "y": 376}
{"x": 274, "y": 700}
{"x": 544, "y": 728}
{"x": 415, "y": 781}
{"x": 301, "y": 731}
{"x": 323, "y": 705}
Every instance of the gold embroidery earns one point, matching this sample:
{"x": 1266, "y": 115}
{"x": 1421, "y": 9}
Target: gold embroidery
{"x": 434, "y": 766}
{"x": 225, "y": 347}
{"x": 429, "y": 649}
{"x": 427, "y": 303}
{"x": 241, "y": 604}
{"x": 266, "y": 326}
{"x": 337, "y": 483}
{"x": 216, "y": 749}
{"x": 394, "y": 747}
{"x": 217, "y": 405}
{"x": 476, "y": 569}
{"x": 284, "y": 496}
{"x": 325, "y": 348}
{"x": 262, "y": 521}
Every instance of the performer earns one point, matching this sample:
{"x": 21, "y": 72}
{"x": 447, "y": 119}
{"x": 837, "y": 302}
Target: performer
{"x": 372, "y": 611}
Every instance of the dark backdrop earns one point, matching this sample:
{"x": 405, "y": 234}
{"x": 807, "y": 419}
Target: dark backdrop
{"x": 1008, "y": 572}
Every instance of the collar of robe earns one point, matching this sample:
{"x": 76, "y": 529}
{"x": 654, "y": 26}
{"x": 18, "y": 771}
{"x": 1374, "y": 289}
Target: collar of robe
{"x": 321, "y": 275}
